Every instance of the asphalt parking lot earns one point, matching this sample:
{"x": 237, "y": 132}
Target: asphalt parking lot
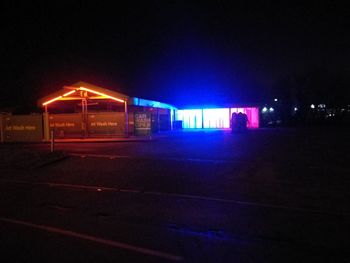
{"x": 268, "y": 195}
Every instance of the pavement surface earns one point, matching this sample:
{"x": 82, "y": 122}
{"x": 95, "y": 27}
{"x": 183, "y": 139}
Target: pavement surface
{"x": 268, "y": 195}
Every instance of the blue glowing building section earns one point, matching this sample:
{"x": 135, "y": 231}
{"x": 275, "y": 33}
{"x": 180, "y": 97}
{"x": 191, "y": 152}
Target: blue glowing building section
{"x": 149, "y": 103}
{"x": 191, "y": 119}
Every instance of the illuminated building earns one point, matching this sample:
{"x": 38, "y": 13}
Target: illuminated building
{"x": 85, "y": 110}
{"x": 82, "y": 110}
{"x": 216, "y": 118}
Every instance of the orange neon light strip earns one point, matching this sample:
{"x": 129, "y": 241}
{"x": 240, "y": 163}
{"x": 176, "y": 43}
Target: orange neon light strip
{"x": 101, "y": 94}
{"x": 49, "y": 101}
{"x": 59, "y": 97}
{"x": 68, "y": 93}
{"x": 86, "y": 89}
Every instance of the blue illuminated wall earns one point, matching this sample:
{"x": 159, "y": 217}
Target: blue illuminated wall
{"x": 191, "y": 119}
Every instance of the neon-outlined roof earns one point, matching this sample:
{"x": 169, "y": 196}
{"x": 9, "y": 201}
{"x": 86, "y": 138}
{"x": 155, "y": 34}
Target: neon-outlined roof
{"x": 72, "y": 92}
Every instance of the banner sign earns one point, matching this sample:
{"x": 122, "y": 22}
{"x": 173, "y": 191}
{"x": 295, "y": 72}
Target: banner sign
{"x": 106, "y": 123}
{"x": 22, "y": 128}
{"x": 142, "y": 123}
{"x": 66, "y": 125}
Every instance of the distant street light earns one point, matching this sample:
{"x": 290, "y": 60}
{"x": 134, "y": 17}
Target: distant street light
{"x": 271, "y": 109}
{"x": 275, "y": 99}
{"x": 264, "y": 110}
{"x": 312, "y": 106}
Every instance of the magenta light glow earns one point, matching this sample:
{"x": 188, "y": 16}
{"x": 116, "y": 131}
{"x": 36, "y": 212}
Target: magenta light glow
{"x": 218, "y": 118}
{"x": 252, "y": 114}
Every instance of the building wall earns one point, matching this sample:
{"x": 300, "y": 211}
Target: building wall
{"x": 97, "y": 124}
{"x": 77, "y": 125}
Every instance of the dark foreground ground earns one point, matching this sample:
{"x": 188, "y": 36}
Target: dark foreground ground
{"x": 270, "y": 195}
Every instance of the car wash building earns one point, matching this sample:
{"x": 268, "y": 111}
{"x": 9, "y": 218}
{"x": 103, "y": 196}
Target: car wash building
{"x": 83, "y": 110}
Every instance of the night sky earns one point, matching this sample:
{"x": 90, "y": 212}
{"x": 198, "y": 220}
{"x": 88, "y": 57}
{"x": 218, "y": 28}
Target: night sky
{"x": 180, "y": 52}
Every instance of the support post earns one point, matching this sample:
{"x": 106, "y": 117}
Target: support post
{"x": 126, "y": 118}
{"x": 84, "y": 117}
{"x": 158, "y": 122}
{"x": 172, "y": 117}
{"x": 46, "y": 125}
{"x": 52, "y": 144}
{"x": 230, "y": 116}
{"x": 202, "y": 119}
{"x": 1, "y": 129}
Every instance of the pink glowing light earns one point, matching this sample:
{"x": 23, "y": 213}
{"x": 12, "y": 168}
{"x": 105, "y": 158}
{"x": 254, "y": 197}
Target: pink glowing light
{"x": 252, "y": 115}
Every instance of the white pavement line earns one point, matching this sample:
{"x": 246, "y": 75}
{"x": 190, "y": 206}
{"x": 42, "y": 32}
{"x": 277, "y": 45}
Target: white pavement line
{"x": 76, "y": 186}
{"x": 221, "y": 200}
{"x": 103, "y": 241}
{"x": 129, "y": 191}
{"x": 109, "y": 156}
{"x": 112, "y": 156}
{"x": 194, "y": 197}
{"x": 197, "y": 160}
{"x": 88, "y": 187}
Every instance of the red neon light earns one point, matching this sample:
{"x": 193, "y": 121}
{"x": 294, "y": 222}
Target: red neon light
{"x": 101, "y": 94}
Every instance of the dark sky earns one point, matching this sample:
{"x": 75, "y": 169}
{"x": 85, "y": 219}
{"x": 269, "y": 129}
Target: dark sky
{"x": 181, "y": 52}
